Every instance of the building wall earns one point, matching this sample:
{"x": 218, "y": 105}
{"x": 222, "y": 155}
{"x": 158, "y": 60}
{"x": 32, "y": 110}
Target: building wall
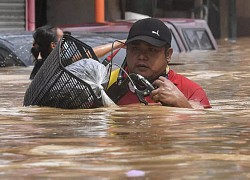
{"x": 65, "y": 12}
{"x": 113, "y": 10}
{"x": 62, "y": 12}
{"x": 243, "y": 17}
{"x": 224, "y": 6}
{"x": 12, "y": 15}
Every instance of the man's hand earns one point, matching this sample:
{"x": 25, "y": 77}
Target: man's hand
{"x": 168, "y": 94}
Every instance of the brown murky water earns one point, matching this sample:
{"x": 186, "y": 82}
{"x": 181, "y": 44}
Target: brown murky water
{"x": 138, "y": 142}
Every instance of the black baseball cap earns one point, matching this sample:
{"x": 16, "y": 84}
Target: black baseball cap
{"x": 150, "y": 30}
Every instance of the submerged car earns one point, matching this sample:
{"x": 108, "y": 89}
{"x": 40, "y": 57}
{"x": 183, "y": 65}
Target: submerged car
{"x": 15, "y": 47}
{"x": 188, "y": 35}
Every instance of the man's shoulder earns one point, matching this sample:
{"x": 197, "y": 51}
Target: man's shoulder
{"x": 190, "y": 89}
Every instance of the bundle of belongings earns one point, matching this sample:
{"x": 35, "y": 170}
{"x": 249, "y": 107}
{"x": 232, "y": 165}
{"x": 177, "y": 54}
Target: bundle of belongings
{"x": 71, "y": 77}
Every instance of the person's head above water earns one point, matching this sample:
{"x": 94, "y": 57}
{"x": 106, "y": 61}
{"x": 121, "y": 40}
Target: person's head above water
{"x": 45, "y": 39}
{"x": 150, "y": 30}
{"x": 148, "y": 54}
{"x": 148, "y": 48}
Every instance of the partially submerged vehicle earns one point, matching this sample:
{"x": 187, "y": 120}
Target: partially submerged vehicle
{"x": 15, "y": 49}
{"x": 188, "y": 35}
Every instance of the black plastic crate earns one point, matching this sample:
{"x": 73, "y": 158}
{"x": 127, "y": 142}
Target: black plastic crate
{"x": 54, "y": 86}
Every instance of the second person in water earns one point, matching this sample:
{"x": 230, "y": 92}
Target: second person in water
{"x": 45, "y": 39}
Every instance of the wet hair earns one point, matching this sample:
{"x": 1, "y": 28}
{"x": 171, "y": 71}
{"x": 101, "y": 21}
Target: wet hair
{"x": 43, "y": 36}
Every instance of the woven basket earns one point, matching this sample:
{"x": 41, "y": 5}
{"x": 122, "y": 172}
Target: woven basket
{"x": 54, "y": 86}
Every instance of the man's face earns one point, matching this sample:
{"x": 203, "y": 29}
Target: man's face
{"x": 145, "y": 59}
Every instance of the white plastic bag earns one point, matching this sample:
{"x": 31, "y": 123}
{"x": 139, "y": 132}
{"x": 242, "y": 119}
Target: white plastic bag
{"x": 95, "y": 74}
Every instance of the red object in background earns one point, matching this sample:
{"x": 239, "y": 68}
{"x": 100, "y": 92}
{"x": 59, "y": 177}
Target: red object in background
{"x": 30, "y": 15}
{"x": 99, "y": 11}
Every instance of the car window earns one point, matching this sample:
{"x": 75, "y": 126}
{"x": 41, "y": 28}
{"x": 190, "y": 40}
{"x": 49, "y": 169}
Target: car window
{"x": 174, "y": 44}
{"x": 197, "y": 39}
{"x": 8, "y": 58}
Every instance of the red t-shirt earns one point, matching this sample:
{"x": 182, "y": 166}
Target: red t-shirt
{"x": 190, "y": 89}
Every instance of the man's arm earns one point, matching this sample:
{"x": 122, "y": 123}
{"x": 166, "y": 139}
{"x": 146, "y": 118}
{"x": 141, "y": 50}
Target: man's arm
{"x": 106, "y": 48}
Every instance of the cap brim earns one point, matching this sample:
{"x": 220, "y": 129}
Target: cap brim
{"x": 148, "y": 39}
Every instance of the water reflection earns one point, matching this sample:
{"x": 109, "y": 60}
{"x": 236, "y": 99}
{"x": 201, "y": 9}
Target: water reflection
{"x": 158, "y": 142}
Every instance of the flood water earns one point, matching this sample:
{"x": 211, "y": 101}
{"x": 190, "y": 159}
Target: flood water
{"x": 134, "y": 142}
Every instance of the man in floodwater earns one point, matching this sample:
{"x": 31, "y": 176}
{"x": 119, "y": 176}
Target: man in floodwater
{"x": 148, "y": 54}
